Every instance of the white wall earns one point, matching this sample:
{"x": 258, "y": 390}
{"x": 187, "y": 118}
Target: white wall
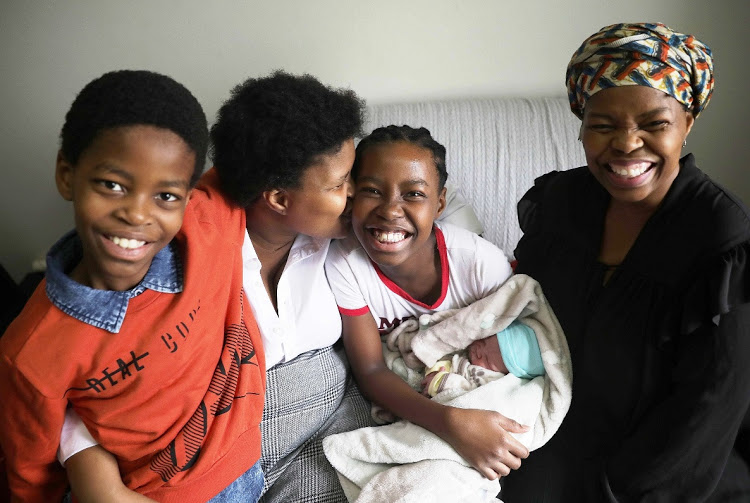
{"x": 388, "y": 50}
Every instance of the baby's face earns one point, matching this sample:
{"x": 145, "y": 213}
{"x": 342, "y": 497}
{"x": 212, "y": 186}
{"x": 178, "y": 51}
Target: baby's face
{"x": 486, "y": 353}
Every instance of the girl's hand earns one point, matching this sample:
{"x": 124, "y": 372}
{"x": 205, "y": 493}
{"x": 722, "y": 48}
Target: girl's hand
{"x": 483, "y": 438}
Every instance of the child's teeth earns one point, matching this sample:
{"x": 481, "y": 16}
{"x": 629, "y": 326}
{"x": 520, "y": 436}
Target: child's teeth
{"x": 389, "y": 237}
{"x": 127, "y": 243}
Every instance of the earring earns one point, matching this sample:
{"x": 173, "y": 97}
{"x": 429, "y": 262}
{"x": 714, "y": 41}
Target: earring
{"x": 684, "y": 142}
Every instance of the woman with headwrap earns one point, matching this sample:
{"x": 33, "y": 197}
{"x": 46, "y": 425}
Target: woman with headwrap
{"x": 645, "y": 262}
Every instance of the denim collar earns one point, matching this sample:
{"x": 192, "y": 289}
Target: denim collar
{"x": 104, "y": 309}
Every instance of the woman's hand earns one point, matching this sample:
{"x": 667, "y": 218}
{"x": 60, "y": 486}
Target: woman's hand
{"x": 483, "y": 438}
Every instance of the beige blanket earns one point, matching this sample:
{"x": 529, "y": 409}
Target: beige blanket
{"x": 402, "y": 462}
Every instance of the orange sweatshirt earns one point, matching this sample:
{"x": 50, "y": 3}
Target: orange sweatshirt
{"x": 176, "y": 395}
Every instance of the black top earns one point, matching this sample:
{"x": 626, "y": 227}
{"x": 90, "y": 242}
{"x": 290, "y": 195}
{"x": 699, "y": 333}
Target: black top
{"x": 661, "y": 353}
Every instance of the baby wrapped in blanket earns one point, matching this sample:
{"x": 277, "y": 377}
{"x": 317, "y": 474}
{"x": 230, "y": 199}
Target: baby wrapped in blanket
{"x": 402, "y": 462}
{"x": 513, "y": 350}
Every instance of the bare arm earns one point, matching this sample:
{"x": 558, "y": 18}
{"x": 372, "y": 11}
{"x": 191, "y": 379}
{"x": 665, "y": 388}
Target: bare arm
{"x": 481, "y": 437}
{"x": 95, "y": 477}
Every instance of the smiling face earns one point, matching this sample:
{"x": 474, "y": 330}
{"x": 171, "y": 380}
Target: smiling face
{"x": 129, "y": 190}
{"x": 397, "y": 199}
{"x": 321, "y": 205}
{"x": 633, "y": 136}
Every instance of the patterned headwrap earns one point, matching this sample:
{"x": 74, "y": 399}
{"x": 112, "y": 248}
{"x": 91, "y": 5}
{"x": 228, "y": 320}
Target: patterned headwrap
{"x": 642, "y": 54}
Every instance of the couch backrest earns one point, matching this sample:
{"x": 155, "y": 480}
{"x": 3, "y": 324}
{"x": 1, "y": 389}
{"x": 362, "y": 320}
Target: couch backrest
{"x": 495, "y": 150}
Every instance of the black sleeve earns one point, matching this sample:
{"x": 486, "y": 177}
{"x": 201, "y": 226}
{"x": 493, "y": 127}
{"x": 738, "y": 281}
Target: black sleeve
{"x": 680, "y": 449}
{"x": 528, "y": 205}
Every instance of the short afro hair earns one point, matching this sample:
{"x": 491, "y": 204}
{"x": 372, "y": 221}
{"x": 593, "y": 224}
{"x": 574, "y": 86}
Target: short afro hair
{"x": 272, "y": 129}
{"x": 130, "y": 98}
{"x": 420, "y": 137}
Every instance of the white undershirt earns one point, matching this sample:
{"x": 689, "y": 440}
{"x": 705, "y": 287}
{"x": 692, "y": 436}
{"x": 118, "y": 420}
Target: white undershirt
{"x": 308, "y": 317}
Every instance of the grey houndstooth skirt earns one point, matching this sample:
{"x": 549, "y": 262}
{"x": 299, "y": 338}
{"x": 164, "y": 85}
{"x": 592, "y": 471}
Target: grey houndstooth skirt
{"x": 306, "y": 399}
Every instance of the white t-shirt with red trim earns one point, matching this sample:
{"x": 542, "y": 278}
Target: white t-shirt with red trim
{"x": 472, "y": 268}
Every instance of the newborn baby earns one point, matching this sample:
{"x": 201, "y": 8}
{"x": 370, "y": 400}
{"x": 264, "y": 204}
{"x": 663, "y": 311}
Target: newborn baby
{"x": 514, "y": 350}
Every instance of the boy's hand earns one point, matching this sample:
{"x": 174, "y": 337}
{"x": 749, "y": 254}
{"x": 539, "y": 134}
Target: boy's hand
{"x": 94, "y": 476}
{"x": 483, "y": 438}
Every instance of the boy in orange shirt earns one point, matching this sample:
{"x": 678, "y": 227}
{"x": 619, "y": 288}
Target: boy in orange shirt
{"x": 143, "y": 330}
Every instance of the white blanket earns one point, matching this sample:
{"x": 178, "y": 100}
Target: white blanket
{"x": 402, "y": 462}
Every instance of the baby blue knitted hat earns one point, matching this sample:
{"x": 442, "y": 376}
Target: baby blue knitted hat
{"x": 520, "y": 350}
